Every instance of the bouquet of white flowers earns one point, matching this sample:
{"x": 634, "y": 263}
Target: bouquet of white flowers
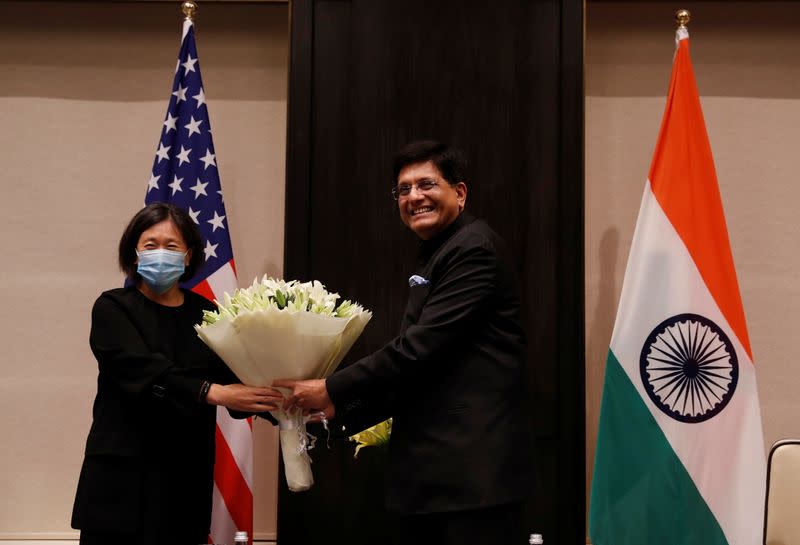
{"x": 276, "y": 329}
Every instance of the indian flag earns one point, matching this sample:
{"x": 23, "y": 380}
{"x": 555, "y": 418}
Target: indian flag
{"x": 680, "y": 452}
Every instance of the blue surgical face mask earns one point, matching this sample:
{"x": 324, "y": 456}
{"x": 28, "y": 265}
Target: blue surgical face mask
{"x": 160, "y": 269}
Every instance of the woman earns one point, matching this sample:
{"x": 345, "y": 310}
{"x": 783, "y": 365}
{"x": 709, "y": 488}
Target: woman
{"x": 147, "y": 475}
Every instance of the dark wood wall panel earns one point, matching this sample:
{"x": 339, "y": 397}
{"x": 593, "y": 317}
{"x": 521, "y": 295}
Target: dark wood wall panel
{"x": 503, "y": 81}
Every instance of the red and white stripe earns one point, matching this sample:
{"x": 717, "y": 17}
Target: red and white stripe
{"x": 233, "y": 470}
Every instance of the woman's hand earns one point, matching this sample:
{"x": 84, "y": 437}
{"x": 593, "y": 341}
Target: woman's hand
{"x": 249, "y": 399}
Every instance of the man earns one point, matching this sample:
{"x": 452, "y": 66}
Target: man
{"x": 454, "y": 378}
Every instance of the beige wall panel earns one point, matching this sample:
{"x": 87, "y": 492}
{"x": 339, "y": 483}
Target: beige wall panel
{"x": 84, "y": 91}
{"x": 746, "y": 57}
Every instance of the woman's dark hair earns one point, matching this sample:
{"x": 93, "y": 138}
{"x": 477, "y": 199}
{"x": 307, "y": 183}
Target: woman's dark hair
{"x": 449, "y": 160}
{"x": 147, "y": 217}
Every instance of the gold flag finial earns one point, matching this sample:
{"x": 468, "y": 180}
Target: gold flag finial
{"x": 682, "y": 16}
{"x": 189, "y": 9}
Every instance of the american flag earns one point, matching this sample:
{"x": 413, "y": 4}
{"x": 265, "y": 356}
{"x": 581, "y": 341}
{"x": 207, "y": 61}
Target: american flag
{"x": 185, "y": 174}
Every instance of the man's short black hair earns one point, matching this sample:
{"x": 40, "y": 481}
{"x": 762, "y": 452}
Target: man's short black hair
{"x": 450, "y": 161}
{"x": 147, "y": 217}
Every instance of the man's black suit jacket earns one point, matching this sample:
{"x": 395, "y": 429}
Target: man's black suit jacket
{"x": 456, "y": 377}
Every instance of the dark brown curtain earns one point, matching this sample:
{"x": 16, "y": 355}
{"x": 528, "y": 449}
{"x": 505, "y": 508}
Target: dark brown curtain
{"x": 503, "y": 81}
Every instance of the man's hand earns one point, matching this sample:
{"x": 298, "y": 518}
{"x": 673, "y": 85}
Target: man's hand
{"x": 247, "y": 399}
{"x": 311, "y": 396}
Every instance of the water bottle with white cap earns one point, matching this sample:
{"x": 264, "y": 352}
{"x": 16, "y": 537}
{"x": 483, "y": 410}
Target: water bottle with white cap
{"x": 240, "y": 538}
{"x": 535, "y": 539}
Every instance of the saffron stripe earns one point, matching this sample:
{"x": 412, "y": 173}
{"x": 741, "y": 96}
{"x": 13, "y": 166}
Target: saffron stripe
{"x": 684, "y": 181}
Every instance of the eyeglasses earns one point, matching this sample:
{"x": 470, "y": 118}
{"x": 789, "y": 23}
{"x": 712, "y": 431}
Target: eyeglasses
{"x": 404, "y": 190}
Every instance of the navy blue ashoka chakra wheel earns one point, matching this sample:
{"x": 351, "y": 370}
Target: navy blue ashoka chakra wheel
{"x": 689, "y": 368}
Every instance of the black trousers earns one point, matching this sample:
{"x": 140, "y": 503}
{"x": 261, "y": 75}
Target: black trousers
{"x": 100, "y": 538}
{"x": 499, "y": 525}
{"x": 134, "y": 538}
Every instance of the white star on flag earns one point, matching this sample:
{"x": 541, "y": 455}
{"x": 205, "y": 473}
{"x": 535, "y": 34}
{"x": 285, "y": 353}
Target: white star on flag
{"x": 180, "y": 93}
{"x": 163, "y": 152}
{"x": 200, "y": 98}
{"x": 216, "y": 221}
{"x": 194, "y": 215}
{"x": 183, "y": 156}
{"x": 189, "y": 64}
{"x": 176, "y": 184}
{"x": 199, "y": 188}
{"x": 153, "y": 182}
{"x": 193, "y": 126}
{"x": 170, "y": 123}
{"x": 210, "y": 249}
{"x": 209, "y": 159}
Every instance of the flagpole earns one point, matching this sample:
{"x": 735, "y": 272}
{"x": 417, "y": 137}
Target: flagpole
{"x": 189, "y": 9}
{"x": 682, "y": 17}
{"x": 187, "y": 127}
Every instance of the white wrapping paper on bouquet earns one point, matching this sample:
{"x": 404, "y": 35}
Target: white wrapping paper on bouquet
{"x": 277, "y": 329}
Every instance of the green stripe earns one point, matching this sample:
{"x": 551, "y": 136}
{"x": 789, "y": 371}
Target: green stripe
{"x": 641, "y": 492}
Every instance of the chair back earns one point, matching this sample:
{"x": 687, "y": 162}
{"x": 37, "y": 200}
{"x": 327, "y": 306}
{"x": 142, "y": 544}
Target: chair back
{"x": 782, "y": 512}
